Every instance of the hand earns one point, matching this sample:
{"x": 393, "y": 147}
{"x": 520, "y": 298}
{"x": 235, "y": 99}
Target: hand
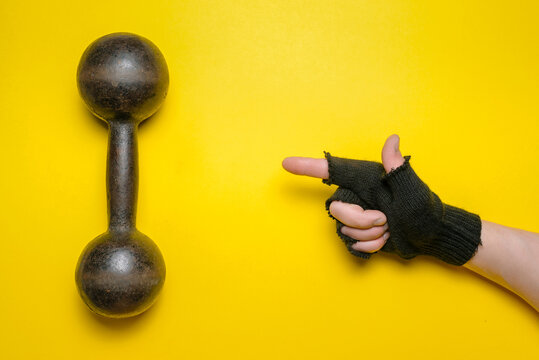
{"x": 368, "y": 227}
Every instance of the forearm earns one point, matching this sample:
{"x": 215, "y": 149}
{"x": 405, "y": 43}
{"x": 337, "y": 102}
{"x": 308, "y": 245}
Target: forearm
{"x": 509, "y": 257}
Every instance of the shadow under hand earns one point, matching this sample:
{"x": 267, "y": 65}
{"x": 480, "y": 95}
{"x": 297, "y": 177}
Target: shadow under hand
{"x": 465, "y": 274}
{"x": 517, "y": 300}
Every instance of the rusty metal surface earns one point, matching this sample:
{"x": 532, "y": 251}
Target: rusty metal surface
{"x": 123, "y": 79}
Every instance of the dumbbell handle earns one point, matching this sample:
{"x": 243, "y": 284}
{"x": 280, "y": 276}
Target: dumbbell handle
{"x": 122, "y": 175}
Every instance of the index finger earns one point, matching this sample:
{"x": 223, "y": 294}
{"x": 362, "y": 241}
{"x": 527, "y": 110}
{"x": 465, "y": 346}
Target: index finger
{"x": 317, "y": 168}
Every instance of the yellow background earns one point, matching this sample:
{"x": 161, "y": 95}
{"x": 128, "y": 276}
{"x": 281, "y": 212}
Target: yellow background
{"x": 254, "y": 269}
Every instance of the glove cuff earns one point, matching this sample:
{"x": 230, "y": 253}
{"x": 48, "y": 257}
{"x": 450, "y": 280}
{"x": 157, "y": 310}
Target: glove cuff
{"x": 458, "y": 238}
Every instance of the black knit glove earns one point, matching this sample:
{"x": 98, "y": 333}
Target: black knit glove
{"x": 419, "y": 223}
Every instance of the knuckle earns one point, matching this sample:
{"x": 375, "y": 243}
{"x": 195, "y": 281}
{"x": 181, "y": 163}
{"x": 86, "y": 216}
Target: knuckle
{"x": 379, "y": 231}
{"x": 359, "y": 221}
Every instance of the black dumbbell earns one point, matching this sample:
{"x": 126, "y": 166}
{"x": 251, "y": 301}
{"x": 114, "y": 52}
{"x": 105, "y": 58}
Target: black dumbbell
{"x": 123, "y": 79}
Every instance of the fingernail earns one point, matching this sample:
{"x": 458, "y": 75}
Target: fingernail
{"x": 379, "y": 221}
{"x": 344, "y": 229}
{"x": 386, "y": 235}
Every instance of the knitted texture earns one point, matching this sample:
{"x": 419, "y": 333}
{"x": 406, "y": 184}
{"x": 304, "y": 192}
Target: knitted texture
{"x": 419, "y": 223}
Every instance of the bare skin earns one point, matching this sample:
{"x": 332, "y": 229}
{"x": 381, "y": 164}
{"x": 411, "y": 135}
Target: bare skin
{"x": 507, "y": 256}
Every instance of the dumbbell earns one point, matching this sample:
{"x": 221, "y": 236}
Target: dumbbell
{"x": 123, "y": 79}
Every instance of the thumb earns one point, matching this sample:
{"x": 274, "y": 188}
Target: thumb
{"x": 391, "y": 154}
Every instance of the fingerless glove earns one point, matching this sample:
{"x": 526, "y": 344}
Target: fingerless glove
{"x": 419, "y": 222}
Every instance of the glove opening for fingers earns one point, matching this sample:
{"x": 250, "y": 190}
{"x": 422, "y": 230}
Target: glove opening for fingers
{"x": 347, "y": 196}
{"x": 348, "y": 241}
